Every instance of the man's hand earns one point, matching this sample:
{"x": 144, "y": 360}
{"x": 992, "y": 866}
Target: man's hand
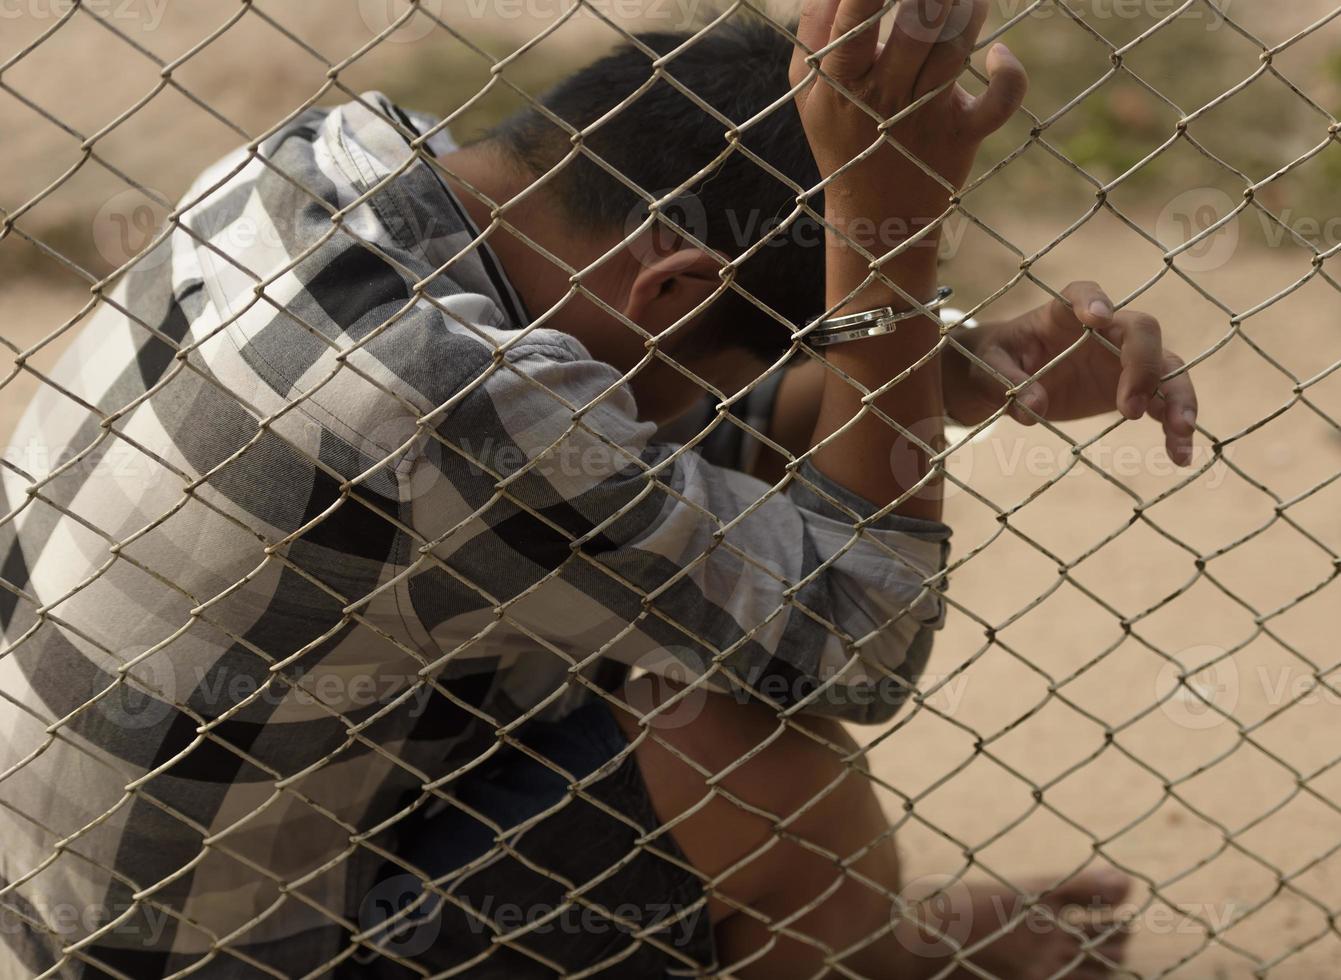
{"x": 1090, "y": 380}
{"x": 928, "y": 46}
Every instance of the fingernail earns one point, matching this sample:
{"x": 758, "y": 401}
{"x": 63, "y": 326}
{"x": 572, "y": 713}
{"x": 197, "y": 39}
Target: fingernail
{"x": 1136, "y": 406}
{"x": 1190, "y": 417}
{"x": 1101, "y": 309}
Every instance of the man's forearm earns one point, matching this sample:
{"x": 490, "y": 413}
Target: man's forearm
{"x": 869, "y": 456}
{"x": 894, "y": 152}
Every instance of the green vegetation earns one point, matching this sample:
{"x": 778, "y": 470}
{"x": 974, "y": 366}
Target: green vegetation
{"x": 444, "y": 78}
{"x": 1189, "y": 64}
{"x": 1109, "y": 133}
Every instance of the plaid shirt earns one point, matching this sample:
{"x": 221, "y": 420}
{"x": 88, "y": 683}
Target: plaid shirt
{"x": 308, "y": 512}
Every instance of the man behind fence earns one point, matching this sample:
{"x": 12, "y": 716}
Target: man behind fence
{"x": 318, "y": 622}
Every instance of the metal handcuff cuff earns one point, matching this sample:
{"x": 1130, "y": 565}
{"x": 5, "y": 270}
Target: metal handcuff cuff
{"x": 871, "y": 323}
{"x": 879, "y": 322}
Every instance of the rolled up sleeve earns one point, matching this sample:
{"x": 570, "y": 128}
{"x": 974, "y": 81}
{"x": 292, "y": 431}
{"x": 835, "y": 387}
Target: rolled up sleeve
{"x": 611, "y": 544}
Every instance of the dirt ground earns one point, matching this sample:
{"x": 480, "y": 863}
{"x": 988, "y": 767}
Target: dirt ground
{"x": 1053, "y": 724}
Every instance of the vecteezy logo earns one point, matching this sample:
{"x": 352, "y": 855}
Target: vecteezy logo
{"x": 409, "y": 456}
{"x": 669, "y": 694}
{"x": 934, "y": 916}
{"x": 127, "y": 225}
{"x": 908, "y": 455}
{"x": 139, "y": 697}
{"x": 678, "y": 220}
{"x": 400, "y": 916}
{"x": 379, "y": 15}
{"x": 918, "y": 19}
{"x": 1198, "y": 698}
{"x": 1189, "y": 217}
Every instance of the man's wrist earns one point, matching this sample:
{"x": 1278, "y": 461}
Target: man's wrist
{"x": 901, "y": 281}
{"x": 880, "y": 234}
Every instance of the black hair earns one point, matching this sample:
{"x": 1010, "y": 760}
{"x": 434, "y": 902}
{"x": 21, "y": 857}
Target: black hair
{"x": 662, "y": 138}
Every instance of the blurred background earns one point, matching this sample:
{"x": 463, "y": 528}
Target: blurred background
{"x": 1140, "y": 661}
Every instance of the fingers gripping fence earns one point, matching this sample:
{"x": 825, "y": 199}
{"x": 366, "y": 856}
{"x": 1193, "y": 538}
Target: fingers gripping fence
{"x": 1274, "y": 916}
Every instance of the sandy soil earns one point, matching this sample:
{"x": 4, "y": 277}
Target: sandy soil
{"x": 1053, "y": 724}
{"x": 1209, "y": 811}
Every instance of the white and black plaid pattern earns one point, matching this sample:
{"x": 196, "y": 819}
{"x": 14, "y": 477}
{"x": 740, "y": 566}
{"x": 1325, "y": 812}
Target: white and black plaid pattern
{"x": 312, "y": 513}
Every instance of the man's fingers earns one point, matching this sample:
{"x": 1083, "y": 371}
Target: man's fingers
{"x": 948, "y": 58}
{"x": 813, "y": 31}
{"x": 853, "y": 59}
{"x": 1007, "y": 85}
{"x": 1031, "y": 401}
{"x": 918, "y": 27}
{"x": 1083, "y": 304}
{"x": 1142, "y": 362}
{"x": 1175, "y": 407}
{"x": 816, "y": 24}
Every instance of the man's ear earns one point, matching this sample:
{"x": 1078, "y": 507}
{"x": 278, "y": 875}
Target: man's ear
{"x": 668, "y": 286}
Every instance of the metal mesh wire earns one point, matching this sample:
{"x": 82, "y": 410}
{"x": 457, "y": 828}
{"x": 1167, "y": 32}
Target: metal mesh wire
{"x": 1212, "y": 930}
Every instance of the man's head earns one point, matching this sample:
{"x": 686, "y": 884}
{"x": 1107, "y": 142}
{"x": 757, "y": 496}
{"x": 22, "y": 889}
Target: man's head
{"x": 658, "y": 139}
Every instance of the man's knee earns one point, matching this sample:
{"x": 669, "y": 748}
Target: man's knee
{"x": 811, "y": 768}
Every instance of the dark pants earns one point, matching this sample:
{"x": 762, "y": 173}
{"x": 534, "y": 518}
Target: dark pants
{"x": 573, "y": 892}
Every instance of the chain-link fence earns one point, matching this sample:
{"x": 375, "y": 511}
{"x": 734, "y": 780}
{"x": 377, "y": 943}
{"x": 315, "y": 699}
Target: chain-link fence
{"x": 1136, "y": 668}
